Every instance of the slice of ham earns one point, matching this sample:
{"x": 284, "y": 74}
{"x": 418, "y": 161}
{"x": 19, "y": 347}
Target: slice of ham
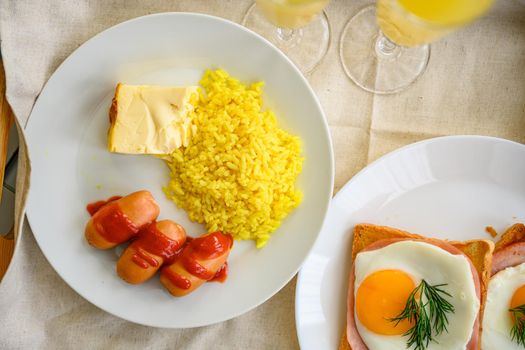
{"x": 509, "y": 256}
{"x": 353, "y": 337}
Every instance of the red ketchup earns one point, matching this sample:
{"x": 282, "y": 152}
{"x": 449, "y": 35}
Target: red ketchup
{"x": 111, "y": 222}
{"x": 176, "y": 279}
{"x": 221, "y": 274}
{"x": 92, "y": 208}
{"x": 153, "y": 241}
{"x": 143, "y": 260}
{"x": 207, "y": 247}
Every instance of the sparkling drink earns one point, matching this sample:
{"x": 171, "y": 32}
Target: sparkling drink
{"x": 414, "y": 22}
{"x": 291, "y": 13}
{"x": 299, "y": 28}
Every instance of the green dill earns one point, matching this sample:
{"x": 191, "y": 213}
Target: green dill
{"x": 426, "y": 308}
{"x": 517, "y": 331}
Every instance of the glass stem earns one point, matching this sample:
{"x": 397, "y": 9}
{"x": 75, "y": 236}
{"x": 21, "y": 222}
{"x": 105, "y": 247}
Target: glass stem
{"x": 385, "y": 47}
{"x": 288, "y": 37}
{"x": 285, "y": 34}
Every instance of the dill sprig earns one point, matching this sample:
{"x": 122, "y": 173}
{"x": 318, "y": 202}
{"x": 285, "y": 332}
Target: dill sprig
{"x": 427, "y": 309}
{"x": 517, "y": 331}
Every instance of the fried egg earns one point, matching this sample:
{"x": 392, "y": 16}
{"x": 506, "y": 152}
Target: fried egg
{"x": 384, "y": 279}
{"x": 506, "y": 290}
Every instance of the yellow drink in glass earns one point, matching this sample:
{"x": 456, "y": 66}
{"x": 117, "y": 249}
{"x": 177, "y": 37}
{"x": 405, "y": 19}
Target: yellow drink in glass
{"x": 414, "y": 22}
{"x": 291, "y": 13}
{"x": 384, "y": 47}
{"x": 299, "y": 28}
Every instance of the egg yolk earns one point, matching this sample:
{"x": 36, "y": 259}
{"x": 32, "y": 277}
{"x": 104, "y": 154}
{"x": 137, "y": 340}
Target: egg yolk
{"x": 518, "y": 298}
{"x": 382, "y": 296}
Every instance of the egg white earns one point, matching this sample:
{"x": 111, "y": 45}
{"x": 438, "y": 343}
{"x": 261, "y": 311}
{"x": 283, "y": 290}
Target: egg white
{"x": 424, "y": 261}
{"x": 496, "y": 321}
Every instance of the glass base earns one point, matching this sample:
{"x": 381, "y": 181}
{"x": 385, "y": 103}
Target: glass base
{"x": 375, "y": 63}
{"x": 305, "y": 46}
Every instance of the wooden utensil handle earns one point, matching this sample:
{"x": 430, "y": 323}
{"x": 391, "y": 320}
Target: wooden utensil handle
{"x": 6, "y": 119}
{"x": 7, "y": 247}
{"x": 7, "y": 243}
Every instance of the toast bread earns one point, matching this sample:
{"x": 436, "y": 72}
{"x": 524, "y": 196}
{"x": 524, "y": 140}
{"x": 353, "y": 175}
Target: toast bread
{"x": 514, "y": 234}
{"x": 478, "y": 251}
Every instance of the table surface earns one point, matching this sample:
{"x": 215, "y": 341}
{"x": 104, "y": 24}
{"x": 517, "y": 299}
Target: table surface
{"x": 473, "y": 85}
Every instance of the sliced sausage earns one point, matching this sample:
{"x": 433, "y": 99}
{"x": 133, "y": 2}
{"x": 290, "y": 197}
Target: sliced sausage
{"x": 200, "y": 261}
{"x": 157, "y": 244}
{"x": 121, "y": 219}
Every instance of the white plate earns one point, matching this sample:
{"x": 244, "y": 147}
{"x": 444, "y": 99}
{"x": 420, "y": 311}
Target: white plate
{"x": 448, "y": 187}
{"x": 71, "y": 167}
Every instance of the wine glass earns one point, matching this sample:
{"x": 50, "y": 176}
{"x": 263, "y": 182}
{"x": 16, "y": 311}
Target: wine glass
{"x": 299, "y": 28}
{"x": 384, "y": 48}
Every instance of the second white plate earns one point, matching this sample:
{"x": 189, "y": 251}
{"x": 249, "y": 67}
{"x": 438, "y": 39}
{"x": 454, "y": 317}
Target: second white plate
{"x": 449, "y": 187}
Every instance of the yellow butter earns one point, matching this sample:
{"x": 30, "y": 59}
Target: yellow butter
{"x": 151, "y": 119}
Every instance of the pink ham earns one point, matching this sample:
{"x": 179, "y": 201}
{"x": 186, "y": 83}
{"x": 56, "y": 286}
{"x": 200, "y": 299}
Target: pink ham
{"x": 352, "y": 334}
{"x": 509, "y": 256}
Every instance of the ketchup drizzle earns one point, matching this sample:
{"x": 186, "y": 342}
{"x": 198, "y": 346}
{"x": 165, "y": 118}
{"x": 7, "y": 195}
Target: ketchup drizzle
{"x": 142, "y": 259}
{"x": 178, "y": 280}
{"x": 207, "y": 247}
{"x": 192, "y": 266}
{"x": 152, "y": 240}
{"x": 113, "y": 224}
{"x": 92, "y": 208}
{"x": 221, "y": 274}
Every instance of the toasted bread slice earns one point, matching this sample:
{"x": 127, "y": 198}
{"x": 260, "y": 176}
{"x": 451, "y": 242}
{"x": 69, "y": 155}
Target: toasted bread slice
{"x": 514, "y": 234}
{"x": 478, "y": 251}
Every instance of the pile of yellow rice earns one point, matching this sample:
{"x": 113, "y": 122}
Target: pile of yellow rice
{"x": 238, "y": 173}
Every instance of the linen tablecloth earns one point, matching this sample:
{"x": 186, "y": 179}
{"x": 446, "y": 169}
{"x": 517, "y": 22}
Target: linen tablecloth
{"x": 474, "y": 84}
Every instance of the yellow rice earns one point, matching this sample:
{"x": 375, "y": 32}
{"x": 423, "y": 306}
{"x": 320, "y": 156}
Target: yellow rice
{"x": 238, "y": 173}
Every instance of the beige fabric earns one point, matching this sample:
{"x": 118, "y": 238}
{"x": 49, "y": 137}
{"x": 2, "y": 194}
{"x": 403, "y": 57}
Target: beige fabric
{"x": 474, "y": 84}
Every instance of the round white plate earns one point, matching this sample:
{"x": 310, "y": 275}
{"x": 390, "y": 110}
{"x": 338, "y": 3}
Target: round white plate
{"x": 71, "y": 167}
{"x": 448, "y": 187}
